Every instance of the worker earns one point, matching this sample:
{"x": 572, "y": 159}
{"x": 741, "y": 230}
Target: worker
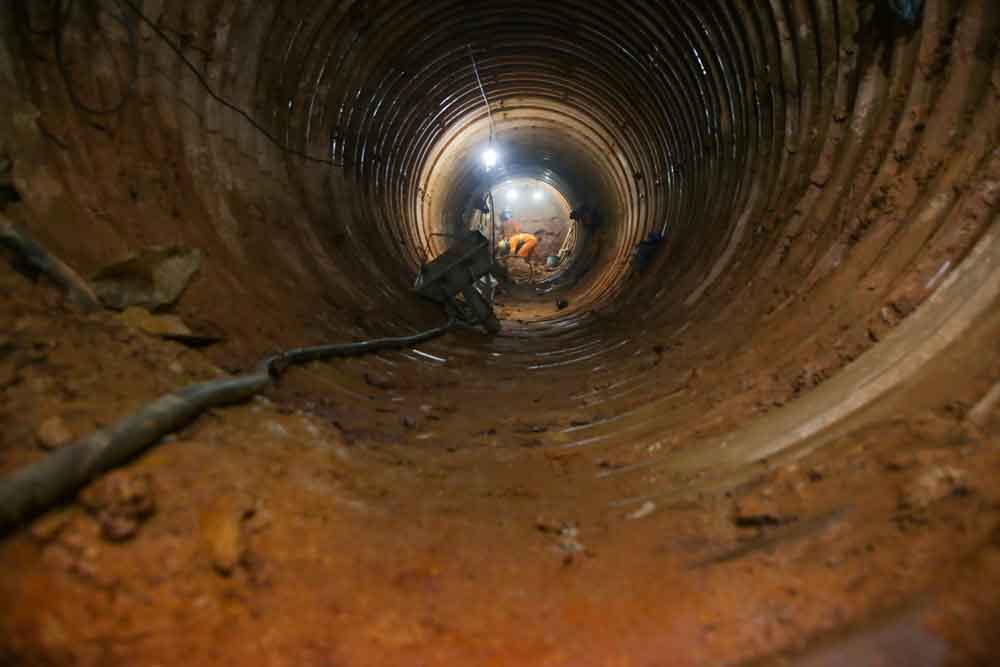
{"x": 519, "y": 245}
{"x": 646, "y": 250}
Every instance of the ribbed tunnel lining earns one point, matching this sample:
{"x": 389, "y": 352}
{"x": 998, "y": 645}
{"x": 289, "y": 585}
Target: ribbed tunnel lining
{"x": 819, "y": 169}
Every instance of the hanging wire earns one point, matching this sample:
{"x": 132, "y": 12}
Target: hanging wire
{"x": 61, "y": 11}
{"x": 486, "y": 101}
{"x": 489, "y": 112}
{"x": 215, "y": 96}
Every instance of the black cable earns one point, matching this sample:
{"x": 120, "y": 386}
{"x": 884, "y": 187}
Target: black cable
{"x": 215, "y": 96}
{"x": 61, "y": 10}
{"x": 35, "y": 488}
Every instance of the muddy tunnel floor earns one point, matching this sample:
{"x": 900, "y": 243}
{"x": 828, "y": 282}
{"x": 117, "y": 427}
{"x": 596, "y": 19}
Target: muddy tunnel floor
{"x": 772, "y": 437}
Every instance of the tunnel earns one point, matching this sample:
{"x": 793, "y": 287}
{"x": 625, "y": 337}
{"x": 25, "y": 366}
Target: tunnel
{"x": 775, "y": 441}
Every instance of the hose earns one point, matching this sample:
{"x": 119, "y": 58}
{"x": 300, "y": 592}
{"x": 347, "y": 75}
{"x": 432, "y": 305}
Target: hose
{"x": 39, "y": 486}
{"x": 37, "y": 258}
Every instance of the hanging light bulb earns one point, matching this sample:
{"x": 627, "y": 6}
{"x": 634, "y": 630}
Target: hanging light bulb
{"x": 512, "y": 194}
{"x": 490, "y": 158}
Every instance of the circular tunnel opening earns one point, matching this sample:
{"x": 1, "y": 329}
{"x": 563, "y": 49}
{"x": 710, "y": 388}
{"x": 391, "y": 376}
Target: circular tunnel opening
{"x": 777, "y": 435}
{"x": 536, "y": 209}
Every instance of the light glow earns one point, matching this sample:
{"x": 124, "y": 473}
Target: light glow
{"x": 490, "y": 158}
{"x": 512, "y": 194}
{"x": 538, "y": 195}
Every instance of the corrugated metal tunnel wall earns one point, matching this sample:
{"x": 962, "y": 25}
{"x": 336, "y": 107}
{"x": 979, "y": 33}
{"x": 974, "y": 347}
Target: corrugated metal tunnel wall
{"x": 827, "y": 178}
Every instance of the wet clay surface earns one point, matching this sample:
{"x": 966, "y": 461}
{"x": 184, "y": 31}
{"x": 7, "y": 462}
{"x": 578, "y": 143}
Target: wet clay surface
{"x": 582, "y": 489}
{"x": 284, "y": 531}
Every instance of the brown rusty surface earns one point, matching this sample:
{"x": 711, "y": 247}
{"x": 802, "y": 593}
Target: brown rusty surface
{"x": 776, "y": 445}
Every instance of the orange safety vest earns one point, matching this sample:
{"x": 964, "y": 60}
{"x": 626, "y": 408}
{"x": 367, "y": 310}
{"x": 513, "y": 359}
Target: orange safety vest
{"x": 522, "y": 245}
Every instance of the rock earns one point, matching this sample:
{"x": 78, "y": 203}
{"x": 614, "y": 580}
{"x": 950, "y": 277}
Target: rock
{"x": 259, "y": 521}
{"x": 644, "y": 510}
{"x": 758, "y": 511}
{"x": 156, "y": 325}
{"x": 933, "y": 485}
{"x": 379, "y": 380}
{"x": 566, "y": 534}
{"x": 152, "y": 277}
{"x": 528, "y": 428}
{"x": 120, "y": 501}
{"x": 408, "y": 421}
{"x": 222, "y": 532}
{"x": 53, "y": 434}
{"x": 49, "y": 526}
{"x": 277, "y": 429}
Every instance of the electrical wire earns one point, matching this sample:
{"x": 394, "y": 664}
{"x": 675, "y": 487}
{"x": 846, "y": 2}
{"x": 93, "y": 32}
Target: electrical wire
{"x": 215, "y": 96}
{"x": 62, "y": 9}
{"x": 35, "y": 488}
{"x": 486, "y": 101}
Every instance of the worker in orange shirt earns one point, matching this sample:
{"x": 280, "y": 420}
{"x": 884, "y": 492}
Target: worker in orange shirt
{"x": 519, "y": 245}
{"x": 522, "y": 246}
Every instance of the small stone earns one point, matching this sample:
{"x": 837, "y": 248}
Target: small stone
{"x": 310, "y": 428}
{"x": 53, "y": 434}
{"x": 759, "y": 511}
{"x": 562, "y": 304}
{"x": 260, "y": 520}
{"x": 546, "y": 524}
{"x": 222, "y": 532}
{"x": 156, "y": 325}
{"x": 931, "y": 486}
{"x": 49, "y": 526}
{"x": 408, "y": 421}
{"x": 176, "y": 367}
{"x": 379, "y": 380}
{"x": 277, "y": 429}
{"x": 120, "y": 501}
{"x": 644, "y": 510}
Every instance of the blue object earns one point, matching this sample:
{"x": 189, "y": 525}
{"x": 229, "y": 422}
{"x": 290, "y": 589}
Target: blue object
{"x": 908, "y": 10}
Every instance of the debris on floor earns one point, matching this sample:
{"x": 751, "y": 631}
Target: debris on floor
{"x": 221, "y": 527}
{"x": 758, "y": 511}
{"x": 155, "y": 325}
{"x": 120, "y": 501}
{"x": 933, "y": 485}
{"x": 644, "y": 510}
{"x": 379, "y": 380}
{"x": 566, "y": 535}
{"x": 53, "y": 433}
{"x": 152, "y": 278}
